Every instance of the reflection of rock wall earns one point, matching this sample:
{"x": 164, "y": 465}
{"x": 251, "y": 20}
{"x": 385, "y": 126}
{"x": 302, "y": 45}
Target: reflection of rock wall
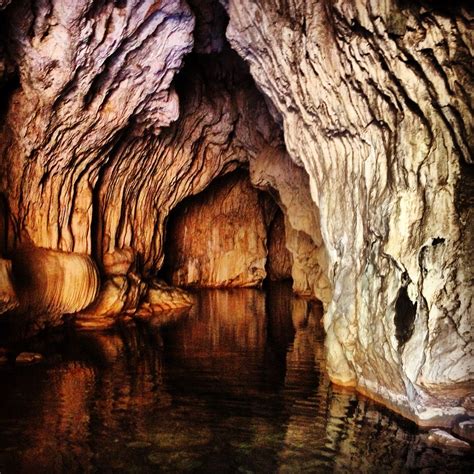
{"x": 219, "y": 239}
{"x": 279, "y": 258}
{"x": 241, "y": 378}
{"x": 375, "y": 102}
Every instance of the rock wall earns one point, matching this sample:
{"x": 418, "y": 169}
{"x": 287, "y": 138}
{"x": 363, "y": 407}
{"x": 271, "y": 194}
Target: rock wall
{"x": 219, "y": 238}
{"x": 273, "y": 171}
{"x": 375, "y": 99}
{"x": 375, "y": 103}
{"x": 119, "y": 194}
{"x": 87, "y": 72}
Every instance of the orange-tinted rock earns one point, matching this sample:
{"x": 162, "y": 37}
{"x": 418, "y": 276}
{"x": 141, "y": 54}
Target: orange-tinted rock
{"x": 25, "y": 358}
{"x": 119, "y": 261}
{"x": 219, "y": 237}
{"x": 279, "y": 260}
{"x": 162, "y": 297}
{"x": 8, "y": 298}
{"x": 51, "y": 281}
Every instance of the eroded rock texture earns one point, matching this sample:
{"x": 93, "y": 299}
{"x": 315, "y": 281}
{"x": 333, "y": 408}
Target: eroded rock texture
{"x": 39, "y": 286}
{"x": 375, "y": 102}
{"x": 279, "y": 261}
{"x": 274, "y": 172}
{"x": 103, "y": 175}
{"x": 87, "y": 72}
{"x": 375, "y": 99}
{"x": 219, "y": 238}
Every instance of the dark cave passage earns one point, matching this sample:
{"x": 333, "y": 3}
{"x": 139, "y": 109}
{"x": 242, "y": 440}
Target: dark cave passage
{"x": 229, "y": 235}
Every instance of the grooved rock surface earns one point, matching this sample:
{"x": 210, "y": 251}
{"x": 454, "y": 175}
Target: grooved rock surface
{"x": 38, "y": 286}
{"x": 104, "y": 182}
{"x": 375, "y": 99}
{"x": 273, "y": 171}
{"x": 8, "y": 298}
{"x": 375, "y": 103}
{"x": 219, "y": 238}
{"x": 49, "y": 281}
{"x": 88, "y": 72}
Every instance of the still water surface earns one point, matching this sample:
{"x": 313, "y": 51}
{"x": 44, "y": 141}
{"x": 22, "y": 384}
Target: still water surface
{"x": 237, "y": 385}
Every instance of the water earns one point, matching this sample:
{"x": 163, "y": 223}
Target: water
{"x": 237, "y": 385}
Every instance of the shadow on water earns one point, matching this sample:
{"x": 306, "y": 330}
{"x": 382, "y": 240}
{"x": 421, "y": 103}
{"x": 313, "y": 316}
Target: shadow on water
{"x": 236, "y": 385}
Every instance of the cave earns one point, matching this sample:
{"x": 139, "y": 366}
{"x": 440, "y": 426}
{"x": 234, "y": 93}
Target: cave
{"x": 229, "y": 236}
{"x": 222, "y": 219}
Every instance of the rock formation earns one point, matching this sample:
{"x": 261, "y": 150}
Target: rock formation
{"x": 219, "y": 239}
{"x": 279, "y": 262}
{"x": 375, "y": 99}
{"x": 101, "y": 138}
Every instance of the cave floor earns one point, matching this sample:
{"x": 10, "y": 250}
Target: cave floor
{"x": 236, "y": 385}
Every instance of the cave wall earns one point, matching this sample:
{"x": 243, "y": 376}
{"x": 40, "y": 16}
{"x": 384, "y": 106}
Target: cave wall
{"x": 105, "y": 171}
{"x": 375, "y": 99}
{"x": 86, "y": 72}
{"x": 279, "y": 259}
{"x": 375, "y": 103}
{"x": 219, "y": 238}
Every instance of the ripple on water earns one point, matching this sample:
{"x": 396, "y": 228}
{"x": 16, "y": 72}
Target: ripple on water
{"x": 235, "y": 386}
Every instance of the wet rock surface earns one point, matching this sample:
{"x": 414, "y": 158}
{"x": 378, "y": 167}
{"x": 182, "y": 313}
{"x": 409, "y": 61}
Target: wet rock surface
{"x": 374, "y": 101}
{"x": 237, "y": 385}
{"x": 25, "y": 358}
{"x": 355, "y": 117}
{"x": 443, "y": 438}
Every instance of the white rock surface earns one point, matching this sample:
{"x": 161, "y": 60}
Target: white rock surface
{"x": 443, "y": 438}
{"x": 376, "y": 103}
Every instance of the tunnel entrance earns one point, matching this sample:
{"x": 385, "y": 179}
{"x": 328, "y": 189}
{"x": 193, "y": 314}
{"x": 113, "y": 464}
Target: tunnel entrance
{"x": 230, "y": 235}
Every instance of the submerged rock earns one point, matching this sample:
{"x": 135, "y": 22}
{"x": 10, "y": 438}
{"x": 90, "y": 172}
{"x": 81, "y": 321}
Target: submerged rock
{"x": 161, "y": 296}
{"x": 28, "y": 358}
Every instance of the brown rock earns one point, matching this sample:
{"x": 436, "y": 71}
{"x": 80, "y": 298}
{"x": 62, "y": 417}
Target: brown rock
{"x": 161, "y": 296}
{"x": 8, "y": 298}
{"x": 28, "y": 358}
{"x": 465, "y": 429}
{"x": 278, "y": 258}
{"x": 218, "y": 239}
{"x": 119, "y": 261}
{"x": 48, "y": 281}
{"x": 443, "y": 438}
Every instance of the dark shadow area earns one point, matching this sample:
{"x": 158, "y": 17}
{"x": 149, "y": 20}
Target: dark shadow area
{"x": 405, "y": 312}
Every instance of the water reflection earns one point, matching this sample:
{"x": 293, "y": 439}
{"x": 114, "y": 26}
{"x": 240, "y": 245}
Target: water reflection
{"x": 236, "y": 385}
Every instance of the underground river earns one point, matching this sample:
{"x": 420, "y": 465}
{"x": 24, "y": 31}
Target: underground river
{"x": 236, "y": 385}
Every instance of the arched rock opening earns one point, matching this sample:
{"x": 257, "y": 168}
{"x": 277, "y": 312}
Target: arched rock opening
{"x": 227, "y": 236}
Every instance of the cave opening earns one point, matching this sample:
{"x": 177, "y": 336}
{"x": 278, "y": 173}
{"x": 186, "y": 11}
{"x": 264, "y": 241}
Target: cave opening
{"x": 229, "y": 235}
